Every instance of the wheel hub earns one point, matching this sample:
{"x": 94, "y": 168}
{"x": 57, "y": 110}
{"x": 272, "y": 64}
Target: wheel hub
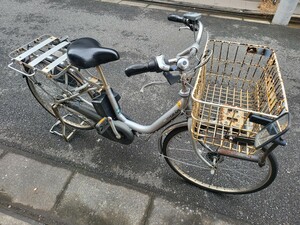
{"x": 214, "y": 157}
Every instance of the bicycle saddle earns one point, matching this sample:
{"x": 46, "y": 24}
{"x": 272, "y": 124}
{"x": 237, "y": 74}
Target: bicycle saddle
{"x": 86, "y": 52}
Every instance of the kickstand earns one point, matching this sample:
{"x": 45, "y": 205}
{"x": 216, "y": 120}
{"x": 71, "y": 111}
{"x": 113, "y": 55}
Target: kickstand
{"x": 60, "y": 122}
{"x": 63, "y": 133}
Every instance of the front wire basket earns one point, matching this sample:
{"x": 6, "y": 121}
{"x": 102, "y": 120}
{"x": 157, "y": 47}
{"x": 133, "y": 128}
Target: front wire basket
{"x": 238, "y": 80}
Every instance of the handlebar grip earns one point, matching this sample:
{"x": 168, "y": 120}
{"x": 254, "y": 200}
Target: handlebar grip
{"x": 142, "y": 68}
{"x": 176, "y": 18}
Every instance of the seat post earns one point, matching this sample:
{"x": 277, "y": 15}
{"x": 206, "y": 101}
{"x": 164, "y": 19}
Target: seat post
{"x": 102, "y": 77}
{"x": 109, "y": 92}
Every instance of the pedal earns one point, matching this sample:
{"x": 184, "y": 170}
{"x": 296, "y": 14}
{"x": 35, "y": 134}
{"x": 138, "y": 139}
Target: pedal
{"x": 102, "y": 125}
{"x": 105, "y": 123}
{"x": 112, "y": 125}
{"x": 54, "y": 128}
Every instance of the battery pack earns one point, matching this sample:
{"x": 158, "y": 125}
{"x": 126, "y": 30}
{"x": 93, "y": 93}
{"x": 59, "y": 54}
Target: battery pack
{"x": 103, "y": 106}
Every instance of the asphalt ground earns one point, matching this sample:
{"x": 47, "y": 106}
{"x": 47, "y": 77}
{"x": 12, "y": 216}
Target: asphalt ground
{"x": 138, "y": 34}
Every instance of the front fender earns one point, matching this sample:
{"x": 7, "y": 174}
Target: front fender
{"x": 168, "y": 129}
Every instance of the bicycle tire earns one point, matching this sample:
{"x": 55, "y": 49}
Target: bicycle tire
{"x": 46, "y": 90}
{"x": 187, "y": 164}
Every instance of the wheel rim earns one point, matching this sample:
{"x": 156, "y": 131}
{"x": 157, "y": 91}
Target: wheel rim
{"x": 48, "y": 91}
{"x": 228, "y": 175}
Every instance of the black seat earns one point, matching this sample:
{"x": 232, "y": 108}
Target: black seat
{"x": 85, "y": 53}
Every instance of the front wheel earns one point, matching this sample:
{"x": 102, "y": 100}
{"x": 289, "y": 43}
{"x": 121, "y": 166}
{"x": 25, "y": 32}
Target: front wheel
{"x": 227, "y": 175}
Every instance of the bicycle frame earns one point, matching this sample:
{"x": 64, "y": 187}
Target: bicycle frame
{"x": 82, "y": 99}
{"x": 172, "y": 113}
{"x": 180, "y": 106}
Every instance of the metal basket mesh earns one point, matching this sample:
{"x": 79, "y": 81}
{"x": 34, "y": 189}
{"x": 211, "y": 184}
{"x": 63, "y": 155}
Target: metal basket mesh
{"x": 238, "y": 80}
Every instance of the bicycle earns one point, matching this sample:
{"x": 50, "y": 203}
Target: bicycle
{"x": 233, "y": 117}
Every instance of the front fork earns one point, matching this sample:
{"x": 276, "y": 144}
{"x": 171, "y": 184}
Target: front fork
{"x": 194, "y": 142}
{"x": 199, "y": 153}
{"x": 260, "y": 159}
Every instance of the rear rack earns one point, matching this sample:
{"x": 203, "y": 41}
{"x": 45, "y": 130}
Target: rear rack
{"x": 46, "y": 57}
{"x": 44, "y": 54}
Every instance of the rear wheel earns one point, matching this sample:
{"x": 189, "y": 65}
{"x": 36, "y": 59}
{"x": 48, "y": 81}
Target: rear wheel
{"x": 212, "y": 171}
{"x": 47, "y": 91}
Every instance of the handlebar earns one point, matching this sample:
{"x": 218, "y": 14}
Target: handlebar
{"x": 189, "y": 19}
{"x": 160, "y": 64}
{"x": 176, "y": 18}
{"x": 142, "y": 68}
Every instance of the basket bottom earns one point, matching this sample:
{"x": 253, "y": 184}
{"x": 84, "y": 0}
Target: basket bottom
{"x": 218, "y": 121}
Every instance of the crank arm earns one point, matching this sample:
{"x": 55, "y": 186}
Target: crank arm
{"x": 104, "y": 124}
{"x": 112, "y": 125}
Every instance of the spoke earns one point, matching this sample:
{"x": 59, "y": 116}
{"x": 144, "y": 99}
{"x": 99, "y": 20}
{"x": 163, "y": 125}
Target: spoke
{"x": 185, "y": 163}
{"x": 66, "y": 81}
{"x": 40, "y": 86}
{"x": 230, "y": 175}
{"x": 50, "y": 91}
{"x": 231, "y": 180}
{"x": 212, "y": 179}
{"x": 237, "y": 171}
{"x": 85, "y": 101}
{"x": 58, "y": 86}
{"x": 181, "y": 149}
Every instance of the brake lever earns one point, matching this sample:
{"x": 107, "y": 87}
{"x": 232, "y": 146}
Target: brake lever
{"x": 171, "y": 77}
{"x": 189, "y": 26}
{"x": 184, "y": 28}
{"x": 193, "y": 27}
{"x": 161, "y": 62}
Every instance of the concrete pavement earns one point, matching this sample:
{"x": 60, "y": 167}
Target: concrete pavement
{"x": 243, "y": 6}
{"x": 36, "y": 192}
